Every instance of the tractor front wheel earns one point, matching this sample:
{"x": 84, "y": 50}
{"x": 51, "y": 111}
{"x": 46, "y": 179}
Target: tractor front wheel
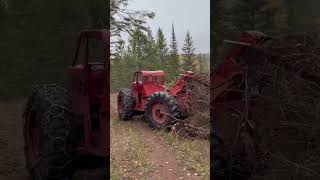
{"x": 125, "y": 104}
{"x": 161, "y": 110}
{"x": 47, "y": 129}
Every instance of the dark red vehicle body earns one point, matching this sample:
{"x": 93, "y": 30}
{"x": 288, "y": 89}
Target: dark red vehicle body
{"x": 232, "y": 108}
{"x": 67, "y": 130}
{"x": 144, "y": 84}
{"x": 89, "y": 89}
{"x": 151, "y": 82}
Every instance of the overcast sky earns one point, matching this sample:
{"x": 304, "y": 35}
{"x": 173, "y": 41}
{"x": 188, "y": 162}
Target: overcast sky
{"x": 192, "y": 15}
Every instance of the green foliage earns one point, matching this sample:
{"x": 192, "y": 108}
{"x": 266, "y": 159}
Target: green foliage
{"x": 151, "y": 49}
{"x": 38, "y": 39}
{"x": 162, "y": 49}
{"x": 188, "y": 52}
{"x": 172, "y": 64}
{"x": 149, "y": 54}
{"x": 120, "y": 49}
{"x": 221, "y": 28}
{"x": 121, "y": 73}
{"x": 249, "y": 15}
{"x": 231, "y": 17}
{"x": 125, "y": 20}
{"x": 173, "y": 44}
{"x": 136, "y": 47}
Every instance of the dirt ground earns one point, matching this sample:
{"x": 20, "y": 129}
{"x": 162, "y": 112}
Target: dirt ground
{"x": 12, "y": 165}
{"x": 11, "y": 142}
{"x": 137, "y": 152}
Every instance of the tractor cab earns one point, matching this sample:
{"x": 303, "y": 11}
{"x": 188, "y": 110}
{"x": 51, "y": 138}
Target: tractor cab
{"x": 145, "y": 83}
{"x": 69, "y": 130}
{"x": 89, "y": 87}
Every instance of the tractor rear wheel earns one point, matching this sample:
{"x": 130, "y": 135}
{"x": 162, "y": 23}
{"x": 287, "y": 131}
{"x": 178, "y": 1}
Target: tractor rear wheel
{"x": 47, "y": 133}
{"x": 125, "y": 104}
{"x": 161, "y": 110}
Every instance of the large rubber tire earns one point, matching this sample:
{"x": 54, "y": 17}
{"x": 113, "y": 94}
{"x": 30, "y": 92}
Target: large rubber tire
{"x": 47, "y": 133}
{"x": 125, "y": 104}
{"x": 158, "y": 102}
{"x": 225, "y": 167}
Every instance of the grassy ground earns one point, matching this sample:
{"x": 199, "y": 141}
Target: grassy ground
{"x": 127, "y": 152}
{"x": 194, "y": 153}
{"x": 137, "y": 152}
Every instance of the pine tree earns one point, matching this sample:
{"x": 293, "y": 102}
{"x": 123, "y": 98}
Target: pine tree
{"x": 173, "y": 45}
{"x": 161, "y": 47}
{"x": 119, "y": 51}
{"x": 150, "y": 49}
{"x": 173, "y": 61}
{"x": 188, "y": 52}
{"x": 122, "y": 19}
{"x": 222, "y": 27}
{"x": 249, "y": 15}
{"x": 269, "y": 16}
{"x": 136, "y": 47}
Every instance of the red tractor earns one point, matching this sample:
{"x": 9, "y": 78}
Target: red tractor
{"x": 68, "y": 130}
{"x": 149, "y": 95}
{"x": 235, "y": 136}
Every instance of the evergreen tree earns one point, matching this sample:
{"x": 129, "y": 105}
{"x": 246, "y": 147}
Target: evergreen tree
{"x": 161, "y": 47}
{"x": 120, "y": 51}
{"x": 188, "y": 52}
{"x": 173, "y": 60}
{"x": 222, "y": 27}
{"x": 125, "y": 20}
{"x": 151, "y": 51}
{"x": 173, "y": 45}
{"x": 150, "y": 38}
{"x": 136, "y": 47}
{"x": 249, "y": 15}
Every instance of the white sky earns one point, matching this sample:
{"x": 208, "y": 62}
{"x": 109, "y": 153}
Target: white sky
{"x": 192, "y": 15}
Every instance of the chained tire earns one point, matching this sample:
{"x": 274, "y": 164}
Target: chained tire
{"x": 125, "y": 104}
{"x": 47, "y": 130}
{"x": 161, "y": 110}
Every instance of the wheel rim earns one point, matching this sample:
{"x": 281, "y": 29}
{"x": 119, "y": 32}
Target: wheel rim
{"x": 33, "y": 136}
{"x": 159, "y": 113}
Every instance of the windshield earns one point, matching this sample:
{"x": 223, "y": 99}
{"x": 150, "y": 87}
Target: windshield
{"x": 153, "y": 79}
{"x": 96, "y": 51}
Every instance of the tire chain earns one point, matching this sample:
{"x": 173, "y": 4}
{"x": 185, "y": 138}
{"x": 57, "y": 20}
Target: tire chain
{"x": 55, "y": 112}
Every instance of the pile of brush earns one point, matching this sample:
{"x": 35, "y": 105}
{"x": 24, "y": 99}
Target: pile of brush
{"x": 197, "y": 125}
{"x": 287, "y": 71}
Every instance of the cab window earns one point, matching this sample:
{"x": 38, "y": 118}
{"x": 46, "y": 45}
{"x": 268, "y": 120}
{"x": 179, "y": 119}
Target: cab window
{"x": 137, "y": 77}
{"x": 81, "y": 56}
{"x": 96, "y": 50}
{"x": 160, "y": 79}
